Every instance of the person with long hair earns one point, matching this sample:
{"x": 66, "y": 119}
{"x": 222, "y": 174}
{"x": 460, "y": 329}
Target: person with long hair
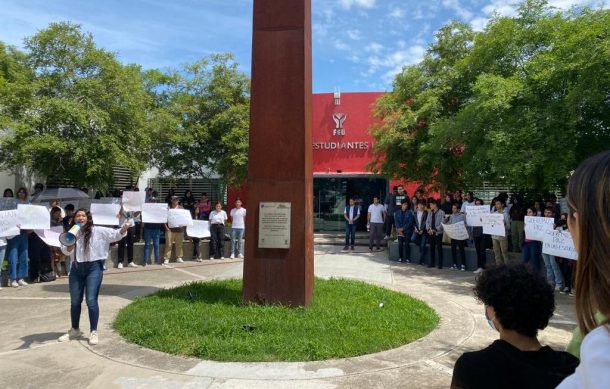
{"x": 588, "y": 199}
{"x": 91, "y": 251}
{"x": 8, "y": 192}
{"x": 218, "y": 217}
{"x": 532, "y": 249}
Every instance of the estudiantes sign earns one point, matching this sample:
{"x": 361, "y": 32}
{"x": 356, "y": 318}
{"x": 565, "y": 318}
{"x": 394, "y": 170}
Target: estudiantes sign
{"x": 339, "y": 131}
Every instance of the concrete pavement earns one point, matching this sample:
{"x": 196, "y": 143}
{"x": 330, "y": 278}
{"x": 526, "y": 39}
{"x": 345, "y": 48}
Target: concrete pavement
{"x": 33, "y": 317}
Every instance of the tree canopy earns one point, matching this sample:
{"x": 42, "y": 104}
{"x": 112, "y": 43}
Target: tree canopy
{"x": 520, "y": 103}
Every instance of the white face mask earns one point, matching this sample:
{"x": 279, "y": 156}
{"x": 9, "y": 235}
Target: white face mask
{"x": 490, "y": 321}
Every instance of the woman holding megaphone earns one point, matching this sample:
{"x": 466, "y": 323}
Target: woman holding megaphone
{"x": 91, "y": 247}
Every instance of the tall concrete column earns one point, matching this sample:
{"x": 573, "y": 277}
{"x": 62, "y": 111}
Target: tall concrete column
{"x": 280, "y": 154}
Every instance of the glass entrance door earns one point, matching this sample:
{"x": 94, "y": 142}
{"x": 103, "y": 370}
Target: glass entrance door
{"x": 330, "y": 199}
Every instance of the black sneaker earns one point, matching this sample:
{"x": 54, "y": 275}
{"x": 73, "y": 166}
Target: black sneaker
{"x": 352, "y": 248}
{"x": 345, "y": 248}
{"x": 370, "y": 248}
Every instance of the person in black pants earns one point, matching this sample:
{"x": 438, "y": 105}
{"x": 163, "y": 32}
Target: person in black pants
{"x": 404, "y": 221}
{"x": 479, "y": 244}
{"x": 218, "y": 217}
{"x": 434, "y": 226}
{"x": 40, "y": 257}
{"x": 127, "y": 241}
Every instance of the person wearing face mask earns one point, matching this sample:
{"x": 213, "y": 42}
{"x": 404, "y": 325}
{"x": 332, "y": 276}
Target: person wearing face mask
{"x": 517, "y": 359}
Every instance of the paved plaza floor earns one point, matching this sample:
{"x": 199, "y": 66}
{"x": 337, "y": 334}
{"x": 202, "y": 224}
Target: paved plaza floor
{"x": 33, "y": 317}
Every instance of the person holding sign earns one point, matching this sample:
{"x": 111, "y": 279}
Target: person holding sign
{"x": 500, "y": 243}
{"x": 90, "y": 251}
{"x": 404, "y": 221}
{"x": 218, "y": 217}
{"x": 17, "y": 250}
{"x": 553, "y": 273}
{"x": 174, "y": 235}
{"x": 128, "y": 240}
{"x": 588, "y": 199}
{"x": 479, "y": 243}
{"x": 532, "y": 249}
{"x": 434, "y": 226}
{"x": 456, "y": 217}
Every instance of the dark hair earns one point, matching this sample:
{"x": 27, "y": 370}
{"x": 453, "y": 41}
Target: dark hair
{"x": 432, "y": 201}
{"x": 8, "y": 190}
{"x": 85, "y": 229}
{"x": 376, "y": 197}
{"x": 479, "y": 200}
{"x": 549, "y": 208}
{"x": 405, "y": 201}
{"x": 38, "y": 185}
{"x": 523, "y": 300}
{"x": 189, "y": 192}
{"x": 532, "y": 208}
{"x": 69, "y": 207}
{"x": 24, "y": 190}
{"x": 55, "y": 209}
{"x": 503, "y": 202}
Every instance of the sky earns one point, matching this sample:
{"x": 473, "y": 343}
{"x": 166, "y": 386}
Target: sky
{"x": 358, "y": 45}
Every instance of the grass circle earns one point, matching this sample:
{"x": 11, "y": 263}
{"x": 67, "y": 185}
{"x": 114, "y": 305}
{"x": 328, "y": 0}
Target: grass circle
{"x": 208, "y": 320}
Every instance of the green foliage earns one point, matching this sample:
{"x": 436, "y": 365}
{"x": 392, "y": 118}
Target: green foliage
{"x": 519, "y": 104}
{"x": 208, "y": 320}
{"x": 206, "y": 107}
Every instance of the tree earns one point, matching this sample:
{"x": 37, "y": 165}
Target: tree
{"x": 519, "y": 104}
{"x": 87, "y": 112}
{"x": 206, "y": 109}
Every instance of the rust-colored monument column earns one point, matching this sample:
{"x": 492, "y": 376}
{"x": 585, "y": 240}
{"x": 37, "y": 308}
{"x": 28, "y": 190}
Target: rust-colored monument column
{"x": 278, "y": 266}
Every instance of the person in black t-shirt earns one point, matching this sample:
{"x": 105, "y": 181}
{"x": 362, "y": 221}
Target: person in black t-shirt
{"x": 518, "y": 303}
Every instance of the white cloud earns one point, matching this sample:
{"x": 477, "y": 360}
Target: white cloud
{"x": 340, "y": 45}
{"x": 478, "y": 24}
{"x": 458, "y": 8}
{"x": 354, "y": 34}
{"x": 397, "y": 13}
{"x": 374, "y": 47}
{"x": 347, "y": 4}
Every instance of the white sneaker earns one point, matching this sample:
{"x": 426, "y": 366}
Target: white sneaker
{"x": 120, "y": 265}
{"x": 132, "y": 264}
{"x": 479, "y": 270}
{"x": 241, "y": 256}
{"x": 14, "y": 284}
{"x": 232, "y": 256}
{"x": 199, "y": 260}
{"x": 222, "y": 257}
{"x": 93, "y": 340}
{"x": 22, "y": 282}
{"x": 166, "y": 261}
{"x": 179, "y": 260}
{"x": 72, "y": 334}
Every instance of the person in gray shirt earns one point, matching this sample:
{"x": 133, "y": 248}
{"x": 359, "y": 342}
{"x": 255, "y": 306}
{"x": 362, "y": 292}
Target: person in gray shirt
{"x": 434, "y": 226}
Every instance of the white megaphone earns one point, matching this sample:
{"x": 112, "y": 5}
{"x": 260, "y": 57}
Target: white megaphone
{"x": 69, "y": 238}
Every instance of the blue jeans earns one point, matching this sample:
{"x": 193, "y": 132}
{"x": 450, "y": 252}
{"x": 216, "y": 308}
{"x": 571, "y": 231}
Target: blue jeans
{"x": 350, "y": 234}
{"x": 17, "y": 249}
{"x": 152, "y": 235}
{"x": 2, "y": 253}
{"x": 553, "y": 273}
{"x": 237, "y": 234}
{"x": 421, "y": 241}
{"x": 85, "y": 279}
{"x": 531, "y": 254}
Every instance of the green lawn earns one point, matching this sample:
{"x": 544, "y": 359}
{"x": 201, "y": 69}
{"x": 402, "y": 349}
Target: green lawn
{"x": 208, "y": 320}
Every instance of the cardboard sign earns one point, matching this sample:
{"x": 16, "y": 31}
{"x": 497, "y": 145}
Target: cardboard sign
{"x": 179, "y": 218}
{"x": 8, "y": 223}
{"x": 105, "y": 214}
{"x": 33, "y": 217}
{"x": 199, "y": 229}
{"x": 456, "y": 231}
{"x": 493, "y": 224}
{"x": 559, "y": 244}
{"x": 154, "y": 213}
{"x": 51, "y": 237}
{"x": 132, "y": 201}
{"x": 473, "y": 214}
{"x": 536, "y": 227}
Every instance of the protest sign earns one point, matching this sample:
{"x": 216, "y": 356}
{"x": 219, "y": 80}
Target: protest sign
{"x": 536, "y": 227}
{"x": 179, "y": 218}
{"x": 105, "y": 214}
{"x": 154, "y": 213}
{"x": 8, "y": 223}
{"x": 132, "y": 201}
{"x": 33, "y": 217}
{"x": 493, "y": 224}
{"x": 107, "y": 200}
{"x": 199, "y": 229}
{"x": 51, "y": 237}
{"x": 559, "y": 244}
{"x": 473, "y": 214}
{"x": 456, "y": 231}
{"x": 7, "y": 203}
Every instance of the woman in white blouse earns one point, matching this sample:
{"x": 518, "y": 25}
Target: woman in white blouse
{"x": 91, "y": 251}
{"x": 218, "y": 217}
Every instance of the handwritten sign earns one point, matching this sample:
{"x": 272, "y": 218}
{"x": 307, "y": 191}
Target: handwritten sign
{"x": 473, "y": 214}
{"x": 274, "y": 226}
{"x": 559, "y": 244}
{"x": 154, "y": 213}
{"x": 536, "y": 227}
{"x": 179, "y": 218}
{"x": 132, "y": 201}
{"x": 199, "y": 229}
{"x": 493, "y": 224}
{"x": 8, "y": 223}
{"x": 33, "y": 217}
{"x": 51, "y": 237}
{"x": 105, "y": 214}
{"x": 456, "y": 231}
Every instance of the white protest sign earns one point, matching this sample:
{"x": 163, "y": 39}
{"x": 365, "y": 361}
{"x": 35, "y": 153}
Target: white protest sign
{"x": 199, "y": 229}
{"x": 536, "y": 227}
{"x": 179, "y": 218}
{"x": 108, "y": 200}
{"x": 51, "y": 237}
{"x": 559, "y": 244}
{"x": 132, "y": 201}
{"x": 473, "y": 214}
{"x": 8, "y": 223}
{"x": 154, "y": 213}
{"x": 493, "y": 224}
{"x": 33, "y": 217}
{"x": 105, "y": 214}
{"x": 456, "y": 231}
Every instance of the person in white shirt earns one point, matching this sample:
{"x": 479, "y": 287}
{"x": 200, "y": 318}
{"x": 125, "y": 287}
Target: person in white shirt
{"x": 218, "y": 217}
{"x": 375, "y": 218}
{"x": 238, "y": 226}
{"x": 91, "y": 251}
{"x": 588, "y": 201}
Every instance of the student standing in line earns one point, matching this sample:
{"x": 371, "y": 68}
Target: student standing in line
{"x": 434, "y": 226}
{"x": 218, "y": 217}
{"x": 128, "y": 240}
{"x": 351, "y": 214}
{"x": 17, "y": 250}
{"x": 553, "y": 272}
{"x": 532, "y": 249}
{"x": 405, "y": 222}
{"x": 500, "y": 243}
{"x": 479, "y": 244}
{"x": 375, "y": 218}
{"x": 174, "y": 235}
{"x": 456, "y": 217}
{"x": 91, "y": 251}
{"x": 420, "y": 234}
{"x": 152, "y": 234}
{"x": 390, "y": 207}
{"x": 238, "y": 227}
